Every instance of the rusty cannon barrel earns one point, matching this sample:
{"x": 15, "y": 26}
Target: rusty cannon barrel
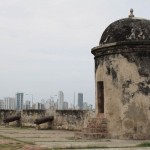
{"x": 11, "y": 119}
{"x": 44, "y": 120}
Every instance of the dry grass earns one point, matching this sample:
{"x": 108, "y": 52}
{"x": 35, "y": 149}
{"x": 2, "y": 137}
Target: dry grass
{"x": 12, "y": 144}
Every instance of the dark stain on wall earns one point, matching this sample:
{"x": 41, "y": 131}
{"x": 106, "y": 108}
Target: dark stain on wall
{"x": 143, "y": 88}
{"x": 108, "y": 70}
{"x": 114, "y": 74}
{"x": 143, "y": 72}
{"x": 148, "y": 81}
{"x": 126, "y": 84}
{"x": 142, "y": 61}
{"x": 111, "y": 71}
{"x": 126, "y": 95}
{"x": 100, "y": 61}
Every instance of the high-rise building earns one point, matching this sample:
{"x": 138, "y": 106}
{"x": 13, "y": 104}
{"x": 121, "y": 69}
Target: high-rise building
{"x": 27, "y": 105}
{"x": 1, "y": 104}
{"x": 65, "y": 105}
{"x": 60, "y": 100}
{"x": 43, "y": 103}
{"x": 80, "y": 100}
{"x": 19, "y": 101}
{"x": 9, "y": 103}
{"x": 38, "y": 106}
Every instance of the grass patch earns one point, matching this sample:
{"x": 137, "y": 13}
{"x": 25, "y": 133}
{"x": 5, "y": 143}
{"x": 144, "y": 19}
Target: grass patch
{"x": 8, "y": 143}
{"x": 19, "y": 141}
{"x": 145, "y": 144}
{"x": 11, "y": 146}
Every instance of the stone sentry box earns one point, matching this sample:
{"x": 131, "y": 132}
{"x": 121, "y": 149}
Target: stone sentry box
{"x": 122, "y": 77}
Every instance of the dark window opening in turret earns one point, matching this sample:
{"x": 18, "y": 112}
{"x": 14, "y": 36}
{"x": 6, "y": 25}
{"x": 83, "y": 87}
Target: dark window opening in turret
{"x": 100, "y": 96}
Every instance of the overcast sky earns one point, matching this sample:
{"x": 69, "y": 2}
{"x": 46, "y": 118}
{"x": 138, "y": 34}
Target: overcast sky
{"x": 45, "y": 45}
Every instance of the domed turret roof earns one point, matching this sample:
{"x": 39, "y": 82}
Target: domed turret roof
{"x": 127, "y": 29}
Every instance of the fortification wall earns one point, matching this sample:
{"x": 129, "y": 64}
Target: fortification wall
{"x": 71, "y": 119}
{"x": 63, "y": 119}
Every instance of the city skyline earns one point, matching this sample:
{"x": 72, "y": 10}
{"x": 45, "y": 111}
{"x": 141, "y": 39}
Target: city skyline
{"x": 22, "y": 101}
{"x": 46, "y": 45}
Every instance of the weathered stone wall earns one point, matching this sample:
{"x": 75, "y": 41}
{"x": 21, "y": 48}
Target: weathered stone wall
{"x": 71, "y": 119}
{"x": 6, "y": 113}
{"x": 125, "y": 72}
{"x": 29, "y": 116}
{"x": 63, "y": 119}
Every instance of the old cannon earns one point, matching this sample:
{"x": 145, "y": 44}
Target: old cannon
{"x": 44, "y": 120}
{"x": 16, "y": 118}
{"x": 47, "y": 119}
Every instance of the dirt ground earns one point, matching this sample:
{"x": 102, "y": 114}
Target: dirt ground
{"x": 12, "y": 138}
